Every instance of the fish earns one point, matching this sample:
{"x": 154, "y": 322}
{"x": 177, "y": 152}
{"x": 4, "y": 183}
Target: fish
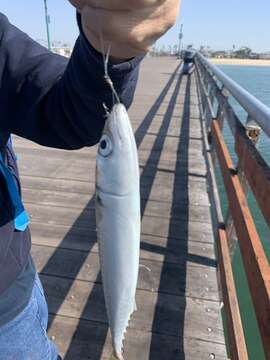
{"x": 118, "y": 221}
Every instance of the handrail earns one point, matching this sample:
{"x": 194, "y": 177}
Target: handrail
{"x": 258, "y": 111}
{"x": 236, "y": 338}
{"x": 252, "y": 170}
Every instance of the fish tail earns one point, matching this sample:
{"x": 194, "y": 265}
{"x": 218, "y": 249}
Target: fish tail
{"x": 116, "y": 356}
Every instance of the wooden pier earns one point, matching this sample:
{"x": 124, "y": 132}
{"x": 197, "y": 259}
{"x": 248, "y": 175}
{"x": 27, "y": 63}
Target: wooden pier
{"x": 179, "y": 306}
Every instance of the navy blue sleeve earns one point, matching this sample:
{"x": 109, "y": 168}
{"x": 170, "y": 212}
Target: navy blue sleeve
{"x": 52, "y": 100}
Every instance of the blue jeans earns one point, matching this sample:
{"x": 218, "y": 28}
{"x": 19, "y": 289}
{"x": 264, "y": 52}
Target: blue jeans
{"x": 25, "y": 337}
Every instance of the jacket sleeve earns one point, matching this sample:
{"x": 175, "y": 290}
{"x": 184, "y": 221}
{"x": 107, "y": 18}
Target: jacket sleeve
{"x": 52, "y": 100}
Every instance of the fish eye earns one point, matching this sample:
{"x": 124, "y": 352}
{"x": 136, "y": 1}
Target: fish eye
{"x": 105, "y": 146}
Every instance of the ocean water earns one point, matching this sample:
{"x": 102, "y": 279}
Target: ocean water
{"x": 257, "y": 81}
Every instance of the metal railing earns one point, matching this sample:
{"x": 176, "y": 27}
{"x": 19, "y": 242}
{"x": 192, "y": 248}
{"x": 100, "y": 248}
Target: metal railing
{"x": 252, "y": 172}
{"x": 257, "y": 111}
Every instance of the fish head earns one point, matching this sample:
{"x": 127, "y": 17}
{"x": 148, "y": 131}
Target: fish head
{"x": 117, "y": 159}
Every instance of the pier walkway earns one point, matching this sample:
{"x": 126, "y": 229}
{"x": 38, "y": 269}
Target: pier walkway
{"x": 178, "y": 300}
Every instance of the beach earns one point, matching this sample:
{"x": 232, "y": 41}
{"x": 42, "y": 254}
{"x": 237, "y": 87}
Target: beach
{"x": 242, "y": 62}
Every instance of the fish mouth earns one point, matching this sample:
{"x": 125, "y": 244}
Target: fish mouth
{"x": 116, "y": 125}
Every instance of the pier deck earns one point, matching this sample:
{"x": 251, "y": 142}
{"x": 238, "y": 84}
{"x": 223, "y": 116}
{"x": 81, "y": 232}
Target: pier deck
{"x": 178, "y": 301}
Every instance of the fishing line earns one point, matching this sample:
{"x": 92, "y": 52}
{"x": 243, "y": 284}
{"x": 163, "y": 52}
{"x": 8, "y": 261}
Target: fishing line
{"x": 145, "y": 267}
{"x": 106, "y": 57}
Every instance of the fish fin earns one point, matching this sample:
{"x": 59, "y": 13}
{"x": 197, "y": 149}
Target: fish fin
{"x": 116, "y": 356}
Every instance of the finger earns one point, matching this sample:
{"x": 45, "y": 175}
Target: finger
{"x": 124, "y": 4}
{"x": 129, "y": 32}
{"x": 122, "y": 26}
{"x": 119, "y": 51}
{"x": 134, "y": 26}
{"x": 78, "y": 4}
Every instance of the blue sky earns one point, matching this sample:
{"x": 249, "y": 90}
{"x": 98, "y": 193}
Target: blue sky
{"x": 218, "y": 24}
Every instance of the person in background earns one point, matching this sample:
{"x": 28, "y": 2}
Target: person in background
{"x": 58, "y": 103}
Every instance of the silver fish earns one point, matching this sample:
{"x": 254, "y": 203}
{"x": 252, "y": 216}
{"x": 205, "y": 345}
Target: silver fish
{"x": 118, "y": 221}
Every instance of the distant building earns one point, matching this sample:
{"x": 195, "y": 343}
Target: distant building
{"x": 254, "y": 56}
{"x": 265, "y": 56}
{"x": 243, "y": 53}
{"x": 206, "y": 51}
{"x": 58, "y": 47}
{"x": 62, "y": 50}
{"x": 221, "y": 54}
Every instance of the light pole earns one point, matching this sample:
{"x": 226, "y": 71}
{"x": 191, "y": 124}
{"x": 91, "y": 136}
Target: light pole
{"x": 47, "y": 20}
{"x": 180, "y": 41}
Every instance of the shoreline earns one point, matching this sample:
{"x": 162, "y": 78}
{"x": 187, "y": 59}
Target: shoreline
{"x": 242, "y": 62}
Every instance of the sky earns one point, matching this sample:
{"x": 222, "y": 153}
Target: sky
{"x": 215, "y": 23}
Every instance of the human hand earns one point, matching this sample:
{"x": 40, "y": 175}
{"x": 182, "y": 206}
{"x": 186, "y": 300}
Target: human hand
{"x": 128, "y": 27}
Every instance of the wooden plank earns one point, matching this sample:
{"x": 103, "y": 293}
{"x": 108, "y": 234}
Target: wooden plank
{"x": 152, "y": 247}
{"x": 52, "y": 198}
{"x": 254, "y": 258}
{"x": 159, "y": 176}
{"x": 187, "y": 277}
{"x": 159, "y": 313}
{"x": 153, "y": 142}
{"x": 171, "y": 133}
{"x": 192, "y": 168}
{"x": 86, "y": 340}
{"x": 193, "y": 233}
{"x": 256, "y": 170}
{"x": 195, "y": 194}
{"x": 165, "y": 178}
{"x": 154, "y": 131}
{"x": 237, "y": 344}
{"x": 57, "y": 167}
{"x": 88, "y": 159}
{"x": 151, "y": 225}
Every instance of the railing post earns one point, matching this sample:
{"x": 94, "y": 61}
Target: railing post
{"x": 253, "y": 132}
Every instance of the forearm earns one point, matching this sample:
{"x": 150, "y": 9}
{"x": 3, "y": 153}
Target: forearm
{"x": 52, "y": 101}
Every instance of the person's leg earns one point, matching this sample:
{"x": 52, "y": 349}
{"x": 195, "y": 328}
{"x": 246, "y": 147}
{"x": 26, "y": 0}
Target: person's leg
{"x": 43, "y": 317}
{"x": 25, "y": 337}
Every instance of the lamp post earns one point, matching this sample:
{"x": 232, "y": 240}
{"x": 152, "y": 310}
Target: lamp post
{"x": 47, "y": 20}
{"x": 180, "y": 41}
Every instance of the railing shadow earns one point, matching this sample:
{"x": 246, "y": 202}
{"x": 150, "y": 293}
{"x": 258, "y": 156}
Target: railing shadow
{"x": 175, "y": 319}
{"x": 97, "y": 333}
